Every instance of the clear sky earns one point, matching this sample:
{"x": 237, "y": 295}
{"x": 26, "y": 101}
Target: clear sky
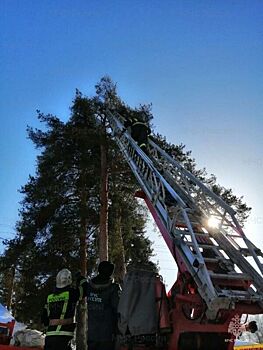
{"x": 198, "y": 61}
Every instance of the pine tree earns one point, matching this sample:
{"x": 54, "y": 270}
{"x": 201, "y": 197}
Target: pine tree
{"x": 60, "y": 210}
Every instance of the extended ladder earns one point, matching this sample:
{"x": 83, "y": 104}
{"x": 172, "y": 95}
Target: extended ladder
{"x": 214, "y": 256}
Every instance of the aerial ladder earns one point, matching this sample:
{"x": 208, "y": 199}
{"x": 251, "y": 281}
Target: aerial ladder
{"x": 219, "y": 268}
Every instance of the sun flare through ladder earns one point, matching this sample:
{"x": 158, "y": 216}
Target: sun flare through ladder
{"x": 200, "y": 229}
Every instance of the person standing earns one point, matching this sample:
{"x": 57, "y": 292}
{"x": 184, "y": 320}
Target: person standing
{"x": 59, "y": 312}
{"x": 102, "y": 298}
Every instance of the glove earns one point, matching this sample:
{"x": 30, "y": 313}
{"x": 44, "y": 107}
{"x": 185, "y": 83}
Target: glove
{"x": 122, "y": 131}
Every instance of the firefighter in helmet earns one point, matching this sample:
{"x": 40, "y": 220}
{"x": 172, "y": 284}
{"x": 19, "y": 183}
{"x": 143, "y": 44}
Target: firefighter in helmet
{"x": 139, "y": 130}
{"x": 59, "y": 311}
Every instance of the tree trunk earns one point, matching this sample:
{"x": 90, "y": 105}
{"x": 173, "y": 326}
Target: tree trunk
{"x": 81, "y": 331}
{"x": 10, "y": 286}
{"x": 120, "y": 261}
{"x": 82, "y": 314}
{"x": 103, "y": 235}
{"x": 117, "y": 247}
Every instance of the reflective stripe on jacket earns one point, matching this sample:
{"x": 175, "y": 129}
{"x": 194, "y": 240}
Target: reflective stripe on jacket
{"x": 56, "y": 301}
{"x": 61, "y": 306}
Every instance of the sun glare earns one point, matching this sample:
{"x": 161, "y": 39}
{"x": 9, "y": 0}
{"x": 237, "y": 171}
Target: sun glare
{"x": 213, "y": 222}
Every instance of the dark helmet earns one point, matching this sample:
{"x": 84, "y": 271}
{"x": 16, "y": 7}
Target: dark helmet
{"x": 106, "y": 268}
{"x": 252, "y": 326}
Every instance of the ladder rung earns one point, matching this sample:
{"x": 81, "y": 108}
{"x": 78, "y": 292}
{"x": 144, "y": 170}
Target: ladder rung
{"x": 233, "y": 236}
{"x": 212, "y": 260}
{"x": 197, "y": 234}
{"x": 208, "y": 246}
{"x": 245, "y": 296}
{"x": 246, "y": 252}
{"x": 238, "y": 276}
{"x": 240, "y": 293}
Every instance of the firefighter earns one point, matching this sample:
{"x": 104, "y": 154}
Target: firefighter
{"x": 102, "y": 298}
{"x": 59, "y": 311}
{"x": 139, "y": 131}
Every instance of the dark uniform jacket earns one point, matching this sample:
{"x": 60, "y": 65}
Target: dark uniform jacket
{"x": 61, "y": 305}
{"x": 139, "y": 131}
{"x": 102, "y": 299}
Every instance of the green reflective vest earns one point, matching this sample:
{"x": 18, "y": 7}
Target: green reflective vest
{"x": 62, "y": 297}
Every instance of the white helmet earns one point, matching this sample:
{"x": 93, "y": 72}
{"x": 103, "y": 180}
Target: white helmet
{"x": 63, "y": 278}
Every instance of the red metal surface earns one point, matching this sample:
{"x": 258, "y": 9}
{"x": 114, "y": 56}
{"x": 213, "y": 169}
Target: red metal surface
{"x": 5, "y": 338}
{"x": 188, "y": 318}
{"x": 10, "y": 347}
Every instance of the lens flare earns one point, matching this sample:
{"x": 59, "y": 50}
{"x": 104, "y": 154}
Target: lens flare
{"x": 213, "y": 222}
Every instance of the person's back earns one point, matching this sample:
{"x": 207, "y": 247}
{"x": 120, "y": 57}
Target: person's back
{"x": 139, "y": 130}
{"x": 102, "y": 299}
{"x": 59, "y": 312}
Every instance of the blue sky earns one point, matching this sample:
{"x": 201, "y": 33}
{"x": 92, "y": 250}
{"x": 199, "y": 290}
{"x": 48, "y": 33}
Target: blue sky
{"x": 198, "y": 61}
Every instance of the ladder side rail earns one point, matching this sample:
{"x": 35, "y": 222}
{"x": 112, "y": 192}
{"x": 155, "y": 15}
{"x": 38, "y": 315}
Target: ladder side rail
{"x": 204, "y": 188}
{"x": 207, "y": 208}
{"x": 154, "y": 189}
{"x": 180, "y": 249}
{"x": 179, "y": 189}
{"x": 124, "y": 142}
{"x": 233, "y": 244}
{"x": 150, "y": 187}
{"x": 227, "y": 224}
{"x": 227, "y": 209}
{"x": 184, "y": 172}
{"x": 198, "y": 197}
{"x": 233, "y": 248}
{"x": 238, "y": 259}
{"x": 198, "y": 253}
{"x": 249, "y": 244}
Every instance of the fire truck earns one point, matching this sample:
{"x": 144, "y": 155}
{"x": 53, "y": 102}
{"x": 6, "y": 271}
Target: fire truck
{"x": 7, "y": 330}
{"x": 219, "y": 268}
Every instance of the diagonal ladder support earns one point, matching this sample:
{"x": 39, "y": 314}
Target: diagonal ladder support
{"x": 204, "y": 199}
